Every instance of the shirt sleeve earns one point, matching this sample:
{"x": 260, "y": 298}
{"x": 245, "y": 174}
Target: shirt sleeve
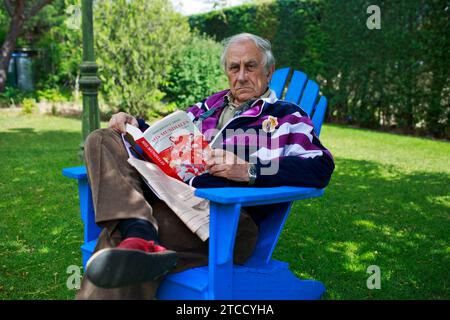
{"x": 295, "y": 171}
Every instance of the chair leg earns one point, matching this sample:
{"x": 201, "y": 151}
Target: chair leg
{"x": 221, "y": 245}
{"x": 91, "y": 230}
{"x": 274, "y": 282}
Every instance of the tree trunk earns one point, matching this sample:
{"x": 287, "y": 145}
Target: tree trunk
{"x": 15, "y": 27}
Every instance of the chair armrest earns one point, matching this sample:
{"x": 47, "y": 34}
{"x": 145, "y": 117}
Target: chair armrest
{"x": 257, "y": 196}
{"x": 243, "y": 196}
{"x": 75, "y": 172}
{"x": 91, "y": 230}
{"x": 224, "y": 217}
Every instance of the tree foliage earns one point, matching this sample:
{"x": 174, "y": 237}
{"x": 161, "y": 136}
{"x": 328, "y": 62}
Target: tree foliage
{"x": 394, "y": 77}
{"x": 59, "y": 47}
{"x": 18, "y": 13}
{"x": 196, "y": 72}
{"x": 136, "y": 44}
{"x": 144, "y": 50}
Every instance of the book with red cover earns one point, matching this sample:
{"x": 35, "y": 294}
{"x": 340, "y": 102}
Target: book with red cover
{"x": 175, "y": 144}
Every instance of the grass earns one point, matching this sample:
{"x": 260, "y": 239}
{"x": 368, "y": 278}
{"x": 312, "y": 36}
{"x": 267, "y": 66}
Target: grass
{"x": 388, "y": 205}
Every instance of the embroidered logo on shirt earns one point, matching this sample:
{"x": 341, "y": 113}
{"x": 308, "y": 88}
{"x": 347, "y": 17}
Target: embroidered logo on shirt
{"x": 270, "y": 124}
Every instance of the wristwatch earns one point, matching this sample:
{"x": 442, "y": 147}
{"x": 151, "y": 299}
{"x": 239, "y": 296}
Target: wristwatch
{"x": 252, "y": 174}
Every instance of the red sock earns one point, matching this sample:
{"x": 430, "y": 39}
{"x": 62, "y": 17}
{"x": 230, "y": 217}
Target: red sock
{"x": 141, "y": 244}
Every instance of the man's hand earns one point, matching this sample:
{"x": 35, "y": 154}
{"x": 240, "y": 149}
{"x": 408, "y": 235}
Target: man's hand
{"x": 227, "y": 165}
{"x": 118, "y": 121}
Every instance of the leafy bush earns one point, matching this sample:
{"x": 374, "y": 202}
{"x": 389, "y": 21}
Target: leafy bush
{"x": 59, "y": 48}
{"x": 13, "y": 96}
{"x": 8, "y": 97}
{"x": 394, "y": 77}
{"x": 51, "y": 95}
{"x": 196, "y": 72}
{"x": 149, "y": 62}
{"x": 136, "y": 42}
{"x": 29, "y": 106}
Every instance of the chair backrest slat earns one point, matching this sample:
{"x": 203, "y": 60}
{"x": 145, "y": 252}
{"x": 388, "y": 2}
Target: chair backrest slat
{"x": 308, "y": 101}
{"x": 295, "y": 88}
{"x": 319, "y": 114}
{"x": 278, "y": 81}
{"x": 307, "y": 92}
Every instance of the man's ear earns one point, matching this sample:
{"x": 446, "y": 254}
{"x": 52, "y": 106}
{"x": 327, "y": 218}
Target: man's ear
{"x": 271, "y": 71}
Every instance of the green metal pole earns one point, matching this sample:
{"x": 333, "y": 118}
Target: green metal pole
{"x": 89, "y": 82}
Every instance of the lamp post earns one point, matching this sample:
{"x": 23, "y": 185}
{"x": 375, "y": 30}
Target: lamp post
{"x": 89, "y": 82}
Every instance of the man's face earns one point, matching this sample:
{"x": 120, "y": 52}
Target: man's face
{"x": 245, "y": 71}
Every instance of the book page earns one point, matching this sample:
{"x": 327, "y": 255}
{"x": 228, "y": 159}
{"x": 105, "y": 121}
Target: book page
{"x": 192, "y": 210}
{"x": 179, "y": 197}
{"x": 179, "y": 143}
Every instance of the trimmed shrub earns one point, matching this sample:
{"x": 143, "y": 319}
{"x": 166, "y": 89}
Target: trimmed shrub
{"x": 136, "y": 42}
{"x": 395, "y": 77}
{"x": 29, "y": 106}
{"x": 196, "y": 73}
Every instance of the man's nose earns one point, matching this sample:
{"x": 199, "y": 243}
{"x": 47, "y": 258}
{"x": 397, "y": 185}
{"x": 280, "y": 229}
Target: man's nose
{"x": 242, "y": 76}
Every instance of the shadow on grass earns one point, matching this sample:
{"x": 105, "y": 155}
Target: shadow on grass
{"x": 35, "y": 143}
{"x": 78, "y": 114}
{"x": 373, "y": 215}
{"x": 370, "y": 215}
{"x": 41, "y": 230}
{"x": 22, "y": 130}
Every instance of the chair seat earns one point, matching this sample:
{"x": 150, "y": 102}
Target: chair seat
{"x": 254, "y": 281}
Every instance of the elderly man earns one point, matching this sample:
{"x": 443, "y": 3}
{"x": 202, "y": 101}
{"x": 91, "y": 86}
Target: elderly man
{"x": 267, "y": 142}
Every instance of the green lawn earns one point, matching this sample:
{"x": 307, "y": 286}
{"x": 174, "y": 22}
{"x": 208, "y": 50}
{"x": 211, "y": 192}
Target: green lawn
{"x": 388, "y": 205}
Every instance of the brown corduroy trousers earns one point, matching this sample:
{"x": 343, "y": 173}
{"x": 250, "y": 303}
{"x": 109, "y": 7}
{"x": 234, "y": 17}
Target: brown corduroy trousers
{"x": 118, "y": 192}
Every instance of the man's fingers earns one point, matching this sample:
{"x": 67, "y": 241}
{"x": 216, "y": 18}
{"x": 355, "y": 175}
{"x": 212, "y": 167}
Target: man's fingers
{"x": 215, "y": 161}
{"x": 113, "y": 124}
{"x": 219, "y": 172}
{"x": 222, "y": 174}
{"x": 118, "y": 121}
{"x": 217, "y": 152}
{"x": 134, "y": 122}
{"x": 209, "y": 163}
{"x": 218, "y": 168}
{"x": 220, "y": 156}
{"x": 110, "y": 123}
{"x": 121, "y": 127}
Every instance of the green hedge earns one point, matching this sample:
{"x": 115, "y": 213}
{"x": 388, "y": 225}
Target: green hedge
{"x": 394, "y": 77}
{"x": 149, "y": 60}
{"x": 196, "y": 73}
{"x": 136, "y": 43}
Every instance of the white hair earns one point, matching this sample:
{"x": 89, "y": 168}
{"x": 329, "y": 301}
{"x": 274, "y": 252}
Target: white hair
{"x": 263, "y": 46}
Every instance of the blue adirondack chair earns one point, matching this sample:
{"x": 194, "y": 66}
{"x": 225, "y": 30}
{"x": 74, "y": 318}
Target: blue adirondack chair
{"x": 261, "y": 277}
